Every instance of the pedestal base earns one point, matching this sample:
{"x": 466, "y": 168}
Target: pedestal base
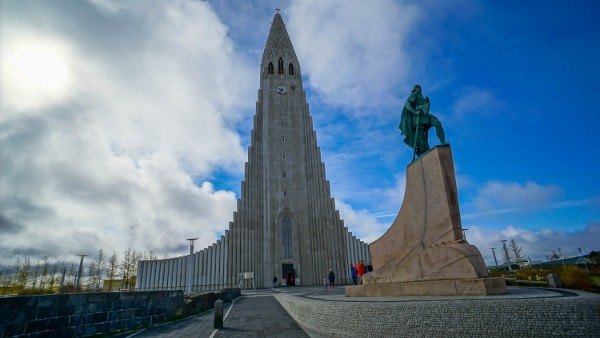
{"x": 442, "y": 287}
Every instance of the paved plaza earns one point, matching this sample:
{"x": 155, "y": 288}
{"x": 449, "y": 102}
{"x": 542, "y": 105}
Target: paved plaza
{"x": 255, "y": 314}
{"x": 314, "y": 311}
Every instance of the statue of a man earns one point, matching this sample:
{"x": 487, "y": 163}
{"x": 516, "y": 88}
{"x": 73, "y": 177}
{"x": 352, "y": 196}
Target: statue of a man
{"x": 416, "y": 121}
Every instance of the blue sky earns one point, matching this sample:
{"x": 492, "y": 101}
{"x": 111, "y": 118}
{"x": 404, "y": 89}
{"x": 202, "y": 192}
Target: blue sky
{"x": 140, "y": 138}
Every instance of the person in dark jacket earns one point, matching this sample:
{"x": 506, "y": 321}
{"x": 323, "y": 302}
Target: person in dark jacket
{"x": 275, "y": 281}
{"x": 353, "y": 274}
{"x": 331, "y": 278}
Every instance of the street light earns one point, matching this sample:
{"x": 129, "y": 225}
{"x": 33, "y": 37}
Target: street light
{"x": 495, "y": 260}
{"x": 583, "y": 259}
{"x": 190, "y": 264}
{"x": 80, "y": 272}
{"x": 563, "y": 257}
{"x": 506, "y": 253}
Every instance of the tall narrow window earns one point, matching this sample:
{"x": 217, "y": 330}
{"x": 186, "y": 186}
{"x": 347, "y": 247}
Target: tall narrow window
{"x": 283, "y": 156}
{"x": 286, "y": 237}
{"x": 291, "y": 69}
{"x": 282, "y": 139}
{"x": 271, "y": 70}
{"x": 284, "y": 193}
{"x": 284, "y": 175}
{"x": 280, "y": 67}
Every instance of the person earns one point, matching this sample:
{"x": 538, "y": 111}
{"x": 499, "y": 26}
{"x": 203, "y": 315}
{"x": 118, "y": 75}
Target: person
{"x": 353, "y": 274}
{"x": 275, "y": 282}
{"x": 416, "y": 121}
{"x": 369, "y": 267}
{"x": 331, "y": 278}
{"x": 325, "y": 283}
{"x": 360, "y": 270}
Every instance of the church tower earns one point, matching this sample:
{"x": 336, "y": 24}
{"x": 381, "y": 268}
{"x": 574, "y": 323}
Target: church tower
{"x": 286, "y": 224}
{"x": 286, "y": 202}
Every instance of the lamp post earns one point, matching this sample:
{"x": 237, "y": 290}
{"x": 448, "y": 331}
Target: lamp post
{"x": 464, "y": 233}
{"x": 563, "y": 257}
{"x": 506, "y": 253}
{"x": 495, "y": 260}
{"x": 583, "y": 259}
{"x": 190, "y": 270}
{"x": 79, "y": 272}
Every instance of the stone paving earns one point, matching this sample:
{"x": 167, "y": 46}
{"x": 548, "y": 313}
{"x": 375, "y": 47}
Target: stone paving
{"x": 524, "y": 312}
{"x": 256, "y": 314}
{"x": 314, "y": 311}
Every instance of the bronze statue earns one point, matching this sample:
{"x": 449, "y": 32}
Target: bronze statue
{"x": 416, "y": 121}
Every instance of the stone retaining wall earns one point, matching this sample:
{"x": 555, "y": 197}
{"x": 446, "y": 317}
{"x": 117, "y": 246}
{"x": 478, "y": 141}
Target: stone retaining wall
{"x": 575, "y": 315}
{"x": 83, "y": 314}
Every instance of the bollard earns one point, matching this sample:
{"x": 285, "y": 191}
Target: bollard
{"x": 554, "y": 281}
{"x": 218, "y": 322}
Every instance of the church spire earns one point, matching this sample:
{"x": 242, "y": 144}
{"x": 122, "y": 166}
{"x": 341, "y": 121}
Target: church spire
{"x": 279, "y": 46}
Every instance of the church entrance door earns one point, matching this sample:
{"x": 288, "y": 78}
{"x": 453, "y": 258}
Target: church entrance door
{"x": 288, "y": 273}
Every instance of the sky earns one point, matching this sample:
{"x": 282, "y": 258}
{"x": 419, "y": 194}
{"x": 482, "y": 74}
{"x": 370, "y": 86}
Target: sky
{"x": 126, "y": 123}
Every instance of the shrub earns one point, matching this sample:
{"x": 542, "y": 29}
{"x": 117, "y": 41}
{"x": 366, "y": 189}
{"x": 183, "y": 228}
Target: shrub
{"x": 573, "y": 277}
{"x": 531, "y": 274}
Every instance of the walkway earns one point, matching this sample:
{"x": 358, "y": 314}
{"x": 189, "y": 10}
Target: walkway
{"x": 255, "y": 314}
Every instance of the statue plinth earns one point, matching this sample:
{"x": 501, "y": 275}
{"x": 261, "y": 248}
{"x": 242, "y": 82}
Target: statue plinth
{"x": 424, "y": 252}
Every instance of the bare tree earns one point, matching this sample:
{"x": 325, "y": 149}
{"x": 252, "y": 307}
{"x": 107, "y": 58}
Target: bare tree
{"x": 100, "y": 265}
{"x": 126, "y": 266}
{"x": 53, "y": 276}
{"x": 70, "y": 279}
{"x": 22, "y": 270}
{"x": 113, "y": 266}
{"x": 553, "y": 256}
{"x": 45, "y": 272}
{"x": 516, "y": 252}
{"x": 90, "y": 282}
{"x": 35, "y": 275}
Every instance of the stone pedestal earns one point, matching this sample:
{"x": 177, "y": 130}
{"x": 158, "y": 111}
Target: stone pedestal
{"x": 424, "y": 252}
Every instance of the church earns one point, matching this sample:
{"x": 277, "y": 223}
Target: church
{"x": 286, "y": 224}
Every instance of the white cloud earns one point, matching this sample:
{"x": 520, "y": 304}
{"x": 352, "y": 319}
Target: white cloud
{"x": 536, "y": 244}
{"x": 353, "y": 51}
{"x": 151, "y": 104}
{"x": 360, "y": 222}
{"x": 494, "y": 195}
{"x": 475, "y": 101}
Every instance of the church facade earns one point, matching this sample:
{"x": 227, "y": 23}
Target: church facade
{"x": 286, "y": 224}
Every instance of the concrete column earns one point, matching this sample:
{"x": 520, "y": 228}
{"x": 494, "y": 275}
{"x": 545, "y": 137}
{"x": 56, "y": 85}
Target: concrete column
{"x": 148, "y": 283}
{"x": 157, "y": 274}
{"x": 198, "y": 263}
{"x": 165, "y": 277}
{"x": 161, "y": 274}
{"x": 140, "y": 275}
{"x": 201, "y": 270}
{"x": 182, "y": 261}
{"x": 218, "y": 265}
{"x": 226, "y": 259}
{"x": 223, "y": 262}
{"x": 176, "y": 272}
{"x": 211, "y": 266}
{"x": 152, "y": 281}
{"x": 215, "y": 269}
{"x": 237, "y": 247}
{"x": 171, "y": 268}
{"x": 168, "y": 274}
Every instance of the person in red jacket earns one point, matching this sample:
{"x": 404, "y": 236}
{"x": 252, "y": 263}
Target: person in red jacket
{"x": 360, "y": 270}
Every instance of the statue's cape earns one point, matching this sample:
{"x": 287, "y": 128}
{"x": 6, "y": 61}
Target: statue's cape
{"x": 408, "y": 120}
{"x": 407, "y": 127}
